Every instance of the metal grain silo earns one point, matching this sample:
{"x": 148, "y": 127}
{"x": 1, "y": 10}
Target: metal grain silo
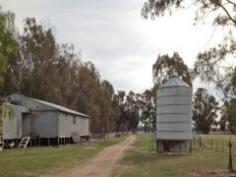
{"x": 174, "y": 116}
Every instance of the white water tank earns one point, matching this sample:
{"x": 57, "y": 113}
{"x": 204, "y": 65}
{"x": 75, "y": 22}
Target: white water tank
{"x": 174, "y": 111}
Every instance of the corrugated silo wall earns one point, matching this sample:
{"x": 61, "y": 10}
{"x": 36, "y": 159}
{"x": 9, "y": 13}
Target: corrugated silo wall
{"x": 173, "y": 118}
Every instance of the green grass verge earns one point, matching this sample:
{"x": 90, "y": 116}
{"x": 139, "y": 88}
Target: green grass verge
{"x": 140, "y": 161}
{"x": 31, "y": 162}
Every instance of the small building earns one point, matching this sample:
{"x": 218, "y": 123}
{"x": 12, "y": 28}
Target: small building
{"x": 43, "y": 122}
{"x": 174, "y": 116}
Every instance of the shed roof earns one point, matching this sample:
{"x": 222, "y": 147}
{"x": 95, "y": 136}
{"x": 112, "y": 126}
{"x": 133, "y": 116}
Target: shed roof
{"x": 49, "y": 104}
{"x": 60, "y": 108}
{"x": 174, "y": 81}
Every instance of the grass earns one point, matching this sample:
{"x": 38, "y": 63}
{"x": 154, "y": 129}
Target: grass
{"x": 31, "y": 162}
{"x": 140, "y": 161}
{"x": 217, "y": 142}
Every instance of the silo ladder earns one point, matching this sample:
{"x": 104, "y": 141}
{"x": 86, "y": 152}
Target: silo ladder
{"x": 24, "y": 142}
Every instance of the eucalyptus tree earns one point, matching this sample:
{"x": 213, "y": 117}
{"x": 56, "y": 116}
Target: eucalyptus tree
{"x": 107, "y": 108}
{"x": 132, "y": 110}
{"x": 223, "y": 11}
{"x": 205, "y": 109}
{"x": 8, "y": 52}
{"x": 166, "y": 65}
{"x": 228, "y": 116}
{"x": 121, "y": 122}
{"x": 212, "y": 64}
{"x": 8, "y": 44}
{"x": 130, "y": 105}
{"x": 39, "y": 50}
{"x": 148, "y": 109}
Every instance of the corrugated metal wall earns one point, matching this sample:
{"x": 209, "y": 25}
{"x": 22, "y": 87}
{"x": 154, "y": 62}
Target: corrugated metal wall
{"x": 69, "y": 124}
{"x": 12, "y": 126}
{"x": 45, "y": 124}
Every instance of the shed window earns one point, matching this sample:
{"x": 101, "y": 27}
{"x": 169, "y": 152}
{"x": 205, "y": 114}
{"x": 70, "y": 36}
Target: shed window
{"x": 74, "y": 120}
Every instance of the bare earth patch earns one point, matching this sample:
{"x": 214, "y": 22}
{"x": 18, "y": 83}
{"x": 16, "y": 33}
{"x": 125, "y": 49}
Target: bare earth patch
{"x": 212, "y": 173}
{"x": 99, "y": 166}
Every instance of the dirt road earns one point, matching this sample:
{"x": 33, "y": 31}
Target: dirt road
{"x": 100, "y": 165}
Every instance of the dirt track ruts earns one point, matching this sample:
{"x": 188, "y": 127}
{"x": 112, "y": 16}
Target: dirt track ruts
{"x": 100, "y": 165}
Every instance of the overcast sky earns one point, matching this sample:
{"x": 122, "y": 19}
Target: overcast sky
{"x": 113, "y": 35}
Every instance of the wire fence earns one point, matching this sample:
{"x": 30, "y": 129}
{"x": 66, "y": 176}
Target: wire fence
{"x": 211, "y": 142}
{"x": 219, "y": 145}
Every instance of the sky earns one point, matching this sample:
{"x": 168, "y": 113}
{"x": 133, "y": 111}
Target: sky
{"x": 116, "y": 38}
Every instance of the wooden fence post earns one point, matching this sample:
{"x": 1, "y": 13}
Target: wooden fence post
{"x": 223, "y": 146}
{"x": 191, "y": 147}
{"x": 1, "y": 143}
{"x": 230, "y": 164}
{"x": 200, "y": 141}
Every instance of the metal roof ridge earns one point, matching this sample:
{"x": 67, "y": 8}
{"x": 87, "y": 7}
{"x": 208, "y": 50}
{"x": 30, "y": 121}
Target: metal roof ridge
{"x": 55, "y": 106}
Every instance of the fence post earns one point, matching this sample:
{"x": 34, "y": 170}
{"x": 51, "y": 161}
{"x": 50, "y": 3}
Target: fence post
{"x": 223, "y": 146}
{"x": 200, "y": 141}
{"x": 190, "y": 147}
{"x": 216, "y": 145}
{"x": 230, "y": 164}
{"x": 1, "y": 143}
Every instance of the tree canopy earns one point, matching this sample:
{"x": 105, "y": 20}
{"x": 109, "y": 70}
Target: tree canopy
{"x": 8, "y": 44}
{"x": 228, "y": 116}
{"x": 166, "y": 65}
{"x": 223, "y": 11}
{"x": 205, "y": 109}
{"x": 209, "y": 63}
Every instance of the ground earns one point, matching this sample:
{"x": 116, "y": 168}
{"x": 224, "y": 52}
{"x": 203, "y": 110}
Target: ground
{"x": 100, "y": 165}
{"x": 142, "y": 161}
{"x": 33, "y": 162}
{"x": 132, "y": 156}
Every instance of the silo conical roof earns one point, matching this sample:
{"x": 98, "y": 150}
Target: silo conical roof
{"x": 174, "y": 81}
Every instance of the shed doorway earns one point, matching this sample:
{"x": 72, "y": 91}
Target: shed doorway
{"x": 26, "y": 124}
